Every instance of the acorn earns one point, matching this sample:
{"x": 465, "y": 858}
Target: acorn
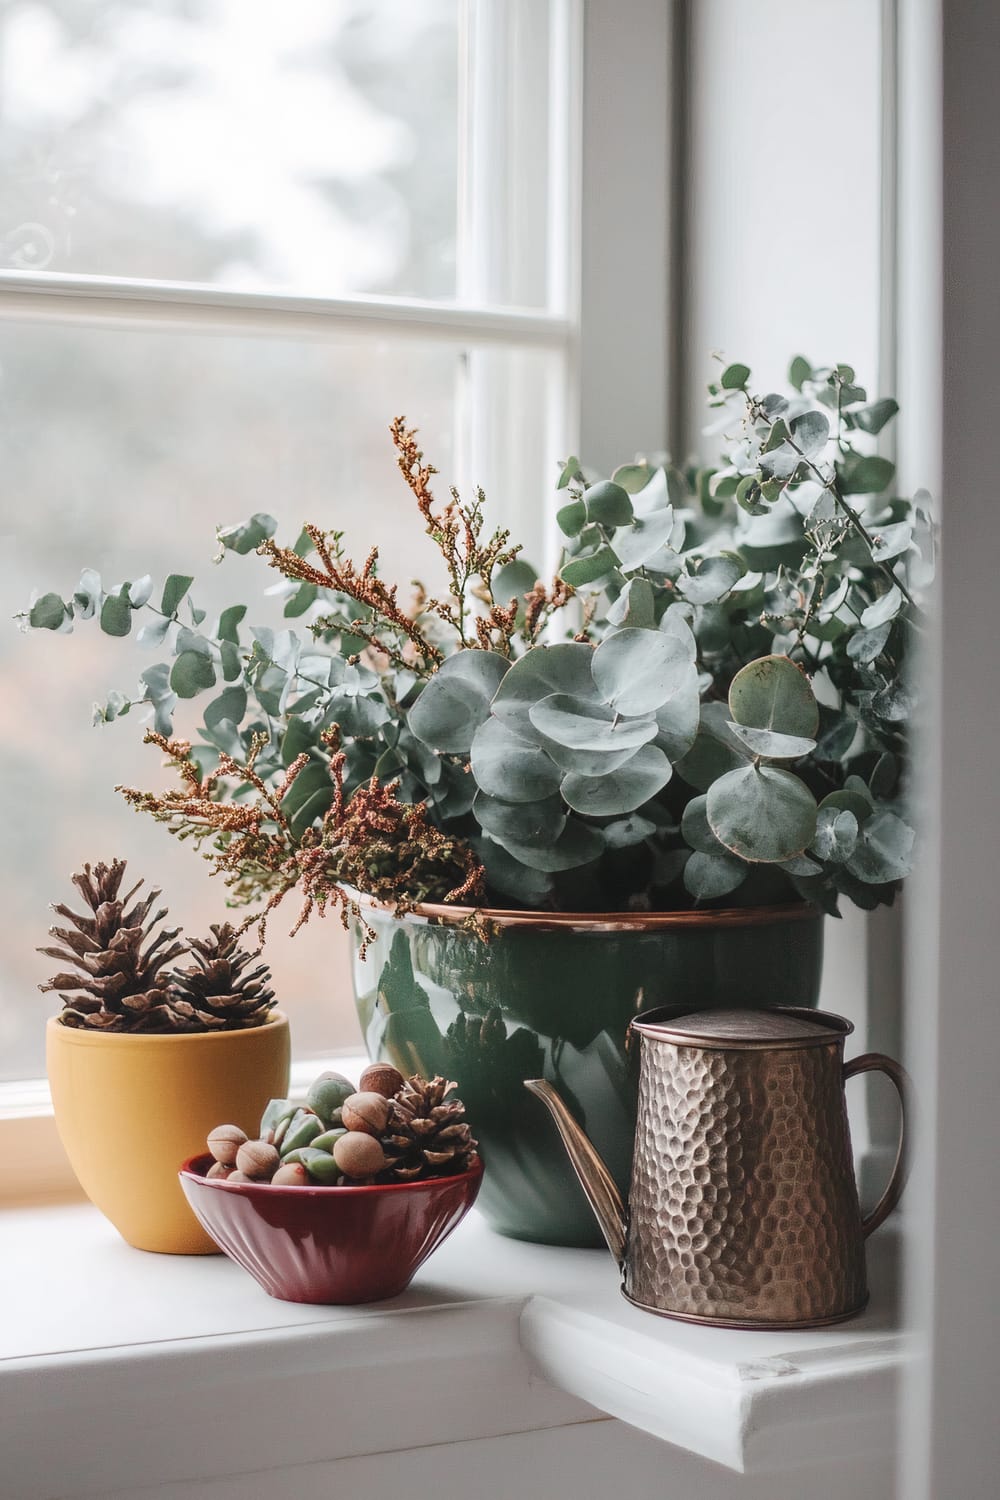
{"x": 381, "y": 1078}
{"x": 257, "y": 1160}
{"x": 368, "y": 1112}
{"x": 291, "y": 1174}
{"x": 224, "y": 1142}
{"x": 327, "y": 1095}
{"x": 358, "y": 1154}
{"x": 220, "y": 1169}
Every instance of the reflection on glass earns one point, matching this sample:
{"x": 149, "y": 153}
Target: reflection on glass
{"x": 123, "y": 452}
{"x": 308, "y": 147}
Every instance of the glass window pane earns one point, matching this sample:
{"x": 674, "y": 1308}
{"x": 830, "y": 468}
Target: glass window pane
{"x": 123, "y": 451}
{"x": 309, "y": 147}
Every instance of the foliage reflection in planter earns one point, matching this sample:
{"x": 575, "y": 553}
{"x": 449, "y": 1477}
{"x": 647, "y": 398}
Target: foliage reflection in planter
{"x": 556, "y": 995}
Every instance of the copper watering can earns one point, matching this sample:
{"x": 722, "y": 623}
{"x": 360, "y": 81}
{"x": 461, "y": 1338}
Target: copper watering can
{"x": 743, "y": 1209}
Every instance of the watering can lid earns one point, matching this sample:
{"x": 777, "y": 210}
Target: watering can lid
{"x": 780, "y": 1026}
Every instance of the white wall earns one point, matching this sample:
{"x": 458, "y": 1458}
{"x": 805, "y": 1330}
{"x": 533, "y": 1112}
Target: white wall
{"x": 783, "y": 186}
{"x": 783, "y": 256}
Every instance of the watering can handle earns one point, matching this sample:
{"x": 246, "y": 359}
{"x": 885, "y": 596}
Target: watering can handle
{"x": 877, "y": 1062}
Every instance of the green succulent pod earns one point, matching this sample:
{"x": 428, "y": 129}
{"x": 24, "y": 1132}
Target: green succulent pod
{"x": 328, "y": 1139}
{"x": 301, "y": 1132}
{"x": 320, "y": 1165}
{"x": 276, "y": 1111}
{"x": 327, "y": 1095}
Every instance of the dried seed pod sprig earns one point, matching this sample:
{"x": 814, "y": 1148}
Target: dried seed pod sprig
{"x": 339, "y": 575}
{"x": 722, "y": 717}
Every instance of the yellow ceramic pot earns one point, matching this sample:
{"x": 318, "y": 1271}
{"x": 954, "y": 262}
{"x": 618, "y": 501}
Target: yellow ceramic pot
{"x": 131, "y": 1109}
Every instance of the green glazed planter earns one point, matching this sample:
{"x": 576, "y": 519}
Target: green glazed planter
{"x": 551, "y": 997}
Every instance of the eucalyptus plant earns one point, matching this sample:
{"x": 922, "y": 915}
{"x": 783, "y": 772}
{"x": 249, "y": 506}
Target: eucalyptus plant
{"x": 708, "y": 705}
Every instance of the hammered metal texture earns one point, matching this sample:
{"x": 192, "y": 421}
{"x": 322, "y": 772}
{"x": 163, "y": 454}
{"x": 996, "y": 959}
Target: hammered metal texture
{"x": 744, "y": 1207}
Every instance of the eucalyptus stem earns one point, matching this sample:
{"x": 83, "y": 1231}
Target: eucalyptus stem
{"x": 830, "y": 484}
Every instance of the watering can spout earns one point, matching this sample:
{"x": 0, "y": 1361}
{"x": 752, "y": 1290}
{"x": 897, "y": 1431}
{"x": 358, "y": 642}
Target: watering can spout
{"x": 595, "y": 1179}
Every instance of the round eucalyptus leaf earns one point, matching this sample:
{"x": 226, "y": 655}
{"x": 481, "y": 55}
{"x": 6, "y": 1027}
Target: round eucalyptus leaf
{"x": 884, "y": 850}
{"x": 677, "y": 721}
{"x": 762, "y": 814}
{"x": 231, "y": 704}
{"x": 523, "y": 822}
{"x": 634, "y": 605}
{"x": 191, "y": 673}
{"x": 654, "y": 495}
{"x": 637, "y": 671}
{"x": 589, "y": 567}
{"x": 885, "y": 608}
{"x": 894, "y": 703}
{"x": 715, "y": 750}
{"x": 770, "y": 744}
{"x": 836, "y": 834}
{"x": 586, "y": 762}
{"x": 891, "y": 541}
{"x": 608, "y": 503}
{"x": 116, "y": 614}
{"x": 624, "y": 833}
{"x": 578, "y": 844}
{"x": 510, "y": 876}
{"x": 636, "y": 544}
{"x": 509, "y": 767}
{"x": 455, "y": 793}
{"x": 572, "y": 518}
{"x": 678, "y": 620}
{"x": 772, "y": 693}
{"x": 845, "y": 800}
{"x": 866, "y": 645}
{"x": 48, "y": 613}
{"x": 139, "y": 592}
{"x": 618, "y": 792}
{"x": 513, "y": 581}
{"x": 564, "y": 668}
{"x": 882, "y": 781}
{"x": 633, "y": 477}
{"x": 802, "y": 866}
{"x": 456, "y": 700}
{"x": 708, "y": 876}
{"x": 356, "y": 715}
{"x": 582, "y": 724}
{"x": 734, "y": 377}
{"x": 695, "y": 827}
{"x": 712, "y": 579}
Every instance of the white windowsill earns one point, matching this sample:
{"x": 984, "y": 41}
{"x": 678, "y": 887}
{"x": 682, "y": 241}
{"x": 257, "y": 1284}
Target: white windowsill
{"x": 159, "y": 1368}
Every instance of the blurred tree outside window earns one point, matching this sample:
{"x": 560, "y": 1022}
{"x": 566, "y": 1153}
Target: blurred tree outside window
{"x": 310, "y": 149}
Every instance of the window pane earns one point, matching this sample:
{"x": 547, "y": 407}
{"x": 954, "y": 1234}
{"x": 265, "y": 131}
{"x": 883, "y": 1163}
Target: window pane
{"x": 123, "y": 451}
{"x": 310, "y": 146}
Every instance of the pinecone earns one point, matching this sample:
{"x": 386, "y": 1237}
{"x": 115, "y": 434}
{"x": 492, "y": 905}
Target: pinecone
{"x": 119, "y": 987}
{"x": 427, "y": 1135}
{"x": 216, "y": 994}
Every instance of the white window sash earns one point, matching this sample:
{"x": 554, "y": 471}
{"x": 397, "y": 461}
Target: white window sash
{"x": 605, "y": 329}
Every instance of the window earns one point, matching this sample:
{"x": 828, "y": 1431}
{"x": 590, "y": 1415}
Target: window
{"x": 236, "y": 241}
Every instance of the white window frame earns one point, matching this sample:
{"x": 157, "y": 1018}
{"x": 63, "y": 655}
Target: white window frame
{"x": 605, "y": 325}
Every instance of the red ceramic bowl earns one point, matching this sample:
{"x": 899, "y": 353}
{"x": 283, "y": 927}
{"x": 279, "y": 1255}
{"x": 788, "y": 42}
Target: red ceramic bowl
{"x": 329, "y": 1244}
